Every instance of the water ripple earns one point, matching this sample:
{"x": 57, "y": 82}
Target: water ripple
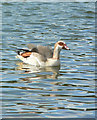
{"x": 49, "y": 92}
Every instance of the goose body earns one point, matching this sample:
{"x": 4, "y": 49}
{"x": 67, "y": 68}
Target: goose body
{"x": 42, "y": 55}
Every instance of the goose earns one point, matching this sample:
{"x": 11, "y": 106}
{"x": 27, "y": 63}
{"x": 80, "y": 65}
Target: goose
{"x": 42, "y": 55}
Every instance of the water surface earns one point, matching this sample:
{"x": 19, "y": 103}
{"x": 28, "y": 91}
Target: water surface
{"x": 68, "y": 91}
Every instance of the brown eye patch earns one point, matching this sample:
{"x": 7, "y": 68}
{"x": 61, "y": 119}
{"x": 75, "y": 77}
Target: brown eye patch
{"x": 61, "y": 43}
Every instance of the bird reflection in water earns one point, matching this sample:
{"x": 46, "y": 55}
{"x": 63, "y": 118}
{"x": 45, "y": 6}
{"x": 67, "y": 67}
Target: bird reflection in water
{"x": 41, "y": 72}
{"x": 40, "y": 79}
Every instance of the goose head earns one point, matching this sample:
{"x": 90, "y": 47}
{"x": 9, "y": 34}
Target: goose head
{"x": 61, "y": 45}
{"x": 57, "y": 48}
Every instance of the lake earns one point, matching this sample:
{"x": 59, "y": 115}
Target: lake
{"x": 50, "y": 92}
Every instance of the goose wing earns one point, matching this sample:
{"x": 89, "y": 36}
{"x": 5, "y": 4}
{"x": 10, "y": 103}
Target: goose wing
{"x": 45, "y": 51}
{"x": 25, "y": 53}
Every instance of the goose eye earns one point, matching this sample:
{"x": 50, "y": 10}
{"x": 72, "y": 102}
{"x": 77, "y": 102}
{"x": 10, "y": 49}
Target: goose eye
{"x": 61, "y": 44}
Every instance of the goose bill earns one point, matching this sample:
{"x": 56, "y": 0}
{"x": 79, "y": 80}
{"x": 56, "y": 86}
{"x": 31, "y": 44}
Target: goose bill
{"x": 66, "y": 47}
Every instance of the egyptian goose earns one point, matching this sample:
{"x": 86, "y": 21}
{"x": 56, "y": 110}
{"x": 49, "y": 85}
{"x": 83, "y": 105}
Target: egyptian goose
{"x": 42, "y": 55}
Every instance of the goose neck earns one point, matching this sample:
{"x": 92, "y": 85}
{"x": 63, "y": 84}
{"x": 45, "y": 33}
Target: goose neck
{"x": 56, "y": 53}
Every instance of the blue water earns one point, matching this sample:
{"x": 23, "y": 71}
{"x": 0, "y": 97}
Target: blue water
{"x": 65, "y": 92}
